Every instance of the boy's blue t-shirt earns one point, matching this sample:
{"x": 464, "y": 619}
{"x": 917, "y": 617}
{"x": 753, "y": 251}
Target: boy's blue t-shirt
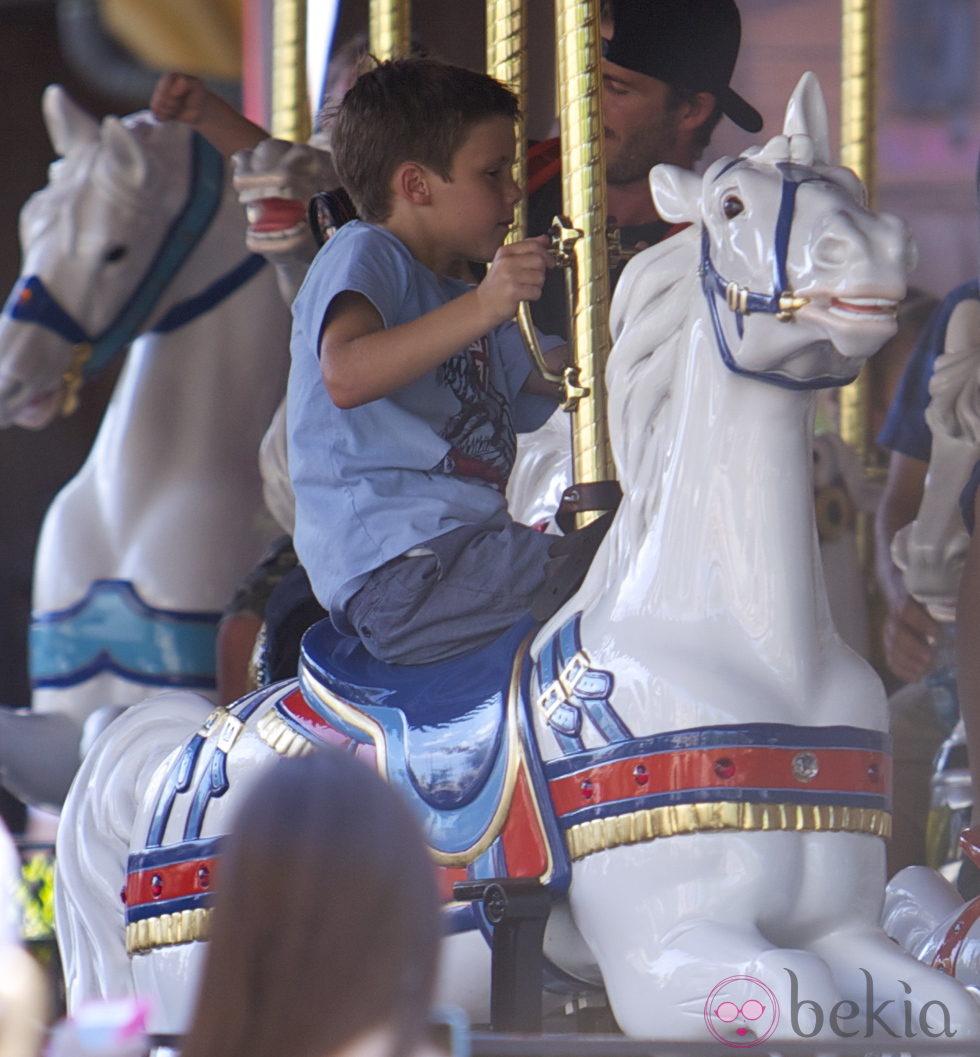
{"x": 372, "y": 482}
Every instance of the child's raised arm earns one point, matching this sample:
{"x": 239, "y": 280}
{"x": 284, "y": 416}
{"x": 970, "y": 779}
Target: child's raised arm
{"x": 181, "y": 97}
{"x": 361, "y": 361}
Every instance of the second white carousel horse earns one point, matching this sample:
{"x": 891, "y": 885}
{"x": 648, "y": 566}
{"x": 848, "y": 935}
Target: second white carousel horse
{"x": 923, "y": 911}
{"x": 137, "y": 238}
{"x": 686, "y": 753}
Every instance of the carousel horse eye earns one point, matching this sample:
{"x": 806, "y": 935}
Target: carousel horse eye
{"x": 116, "y": 253}
{"x": 732, "y": 206}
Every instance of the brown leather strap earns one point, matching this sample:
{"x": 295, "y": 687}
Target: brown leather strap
{"x": 580, "y": 498}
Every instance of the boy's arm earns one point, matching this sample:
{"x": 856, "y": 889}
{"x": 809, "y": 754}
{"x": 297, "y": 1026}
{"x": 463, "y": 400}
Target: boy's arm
{"x": 361, "y": 361}
{"x": 181, "y": 97}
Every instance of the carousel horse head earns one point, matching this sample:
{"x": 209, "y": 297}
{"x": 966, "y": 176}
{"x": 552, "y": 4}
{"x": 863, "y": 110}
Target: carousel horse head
{"x": 100, "y": 242}
{"x": 783, "y": 235}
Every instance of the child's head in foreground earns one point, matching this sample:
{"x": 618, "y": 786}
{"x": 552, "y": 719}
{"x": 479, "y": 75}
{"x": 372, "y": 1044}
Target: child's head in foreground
{"x": 415, "y": 109}
{"x": 325, "y": 926}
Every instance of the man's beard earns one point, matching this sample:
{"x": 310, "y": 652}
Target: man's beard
{"x": 638, "y": 154}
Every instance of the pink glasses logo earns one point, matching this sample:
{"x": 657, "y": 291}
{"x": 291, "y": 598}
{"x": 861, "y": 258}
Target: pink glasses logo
{"x": 741, "y": 1012}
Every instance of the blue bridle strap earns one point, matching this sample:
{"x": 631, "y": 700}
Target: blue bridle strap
{"x": 31, "y": 302}
{"x": 742, "y": 301}
{"x": 185, "y": 311}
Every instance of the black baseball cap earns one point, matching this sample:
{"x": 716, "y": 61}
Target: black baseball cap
{"x": 691, "y": 44}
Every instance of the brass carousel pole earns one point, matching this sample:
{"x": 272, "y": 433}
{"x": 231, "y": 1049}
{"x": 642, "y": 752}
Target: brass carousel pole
{"x": 389, "y": 28}
{"x": 858, "y": 153}
{"x": 578, "y": 46}
{"x": 507, "y": 61}
{"x": 290, "y": 118}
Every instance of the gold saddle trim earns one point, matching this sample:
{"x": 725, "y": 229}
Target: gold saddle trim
{"x": 167, "y": 930}
{"x": 636, "y": 827}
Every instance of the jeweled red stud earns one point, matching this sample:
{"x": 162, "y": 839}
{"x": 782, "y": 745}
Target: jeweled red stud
{"x": 203, "y": 877}
{"x": 156, "y": 886}
{"x": 724, "y": 767}
{"x": 640, "y": 775}
{"x": 805, "y": 766}
{"x": 586, "y": 788}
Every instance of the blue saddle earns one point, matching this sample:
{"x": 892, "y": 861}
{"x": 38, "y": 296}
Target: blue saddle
{"x": 442, "y": 729}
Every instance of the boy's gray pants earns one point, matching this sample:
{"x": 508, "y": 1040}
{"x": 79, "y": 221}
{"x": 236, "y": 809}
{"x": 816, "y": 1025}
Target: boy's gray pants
{"x": 451, "y": 594}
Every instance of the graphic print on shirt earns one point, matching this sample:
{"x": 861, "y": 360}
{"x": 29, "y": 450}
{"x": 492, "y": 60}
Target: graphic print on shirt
{"x": 481, "y": 434}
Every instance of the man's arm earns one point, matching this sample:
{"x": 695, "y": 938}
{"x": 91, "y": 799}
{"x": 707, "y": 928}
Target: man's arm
{"x": 909, "y": 632}
{"x": 180, "y": 97}
{"x": 361, "y": 361}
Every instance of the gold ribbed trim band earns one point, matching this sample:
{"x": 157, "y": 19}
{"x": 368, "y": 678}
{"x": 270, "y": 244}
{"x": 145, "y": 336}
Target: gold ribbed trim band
{"x": 280, "y": 736}
{"x": 639, "y": 826}
{"x": 167, "y": 930}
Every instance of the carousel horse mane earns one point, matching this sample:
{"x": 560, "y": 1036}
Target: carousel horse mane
{"x": 647, "y": 316}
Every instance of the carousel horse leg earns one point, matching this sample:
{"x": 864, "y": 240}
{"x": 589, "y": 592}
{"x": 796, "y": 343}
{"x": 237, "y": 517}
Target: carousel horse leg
{"x": 660, "y": 979}
{"x": 94, "y": 836}
{"x": 837, "y": 921}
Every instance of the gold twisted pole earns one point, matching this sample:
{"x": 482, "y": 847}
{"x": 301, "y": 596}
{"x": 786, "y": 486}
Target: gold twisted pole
{"x": 389, "y": 28}
{"x": 578, "y": 45}
{"x": 858, "y": 153}
{"x": 507, "y": 61}
{"x": 290, "y": 117}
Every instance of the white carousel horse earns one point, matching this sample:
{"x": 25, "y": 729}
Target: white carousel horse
{"x": 688, "y": 754}
{"x": 926, "y": 915}
{"x": 138, "y": 237}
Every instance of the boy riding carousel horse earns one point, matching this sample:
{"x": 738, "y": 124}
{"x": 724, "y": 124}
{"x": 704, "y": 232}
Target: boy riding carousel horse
{"x": 407, "y": 381}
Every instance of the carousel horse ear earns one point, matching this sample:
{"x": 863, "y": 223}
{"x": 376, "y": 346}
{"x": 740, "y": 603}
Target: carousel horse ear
{"x": 67, "y": 123}
{"x": 124, "y": 151}
{"x": 676, "y": 193}
{"x": 806, "y": 115}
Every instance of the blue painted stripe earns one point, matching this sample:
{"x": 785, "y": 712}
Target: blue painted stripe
{"x": 737, "y": 735}
{"x": 177, "y": 781}
{"x": 113, "y": 629}
{"x": 167, "y": 906}
{"x": 212, "y": 784}
{"x": 184, "y": 851}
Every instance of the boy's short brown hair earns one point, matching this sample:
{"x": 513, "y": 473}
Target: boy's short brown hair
{"x": 414, "y": 109}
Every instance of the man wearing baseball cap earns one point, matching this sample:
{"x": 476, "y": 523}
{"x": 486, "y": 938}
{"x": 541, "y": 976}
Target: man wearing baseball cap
{"x": 666, "y": 70}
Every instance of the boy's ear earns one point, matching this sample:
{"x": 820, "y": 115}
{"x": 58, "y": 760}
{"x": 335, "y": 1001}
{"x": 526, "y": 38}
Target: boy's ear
{"x": 411, "y": 182}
